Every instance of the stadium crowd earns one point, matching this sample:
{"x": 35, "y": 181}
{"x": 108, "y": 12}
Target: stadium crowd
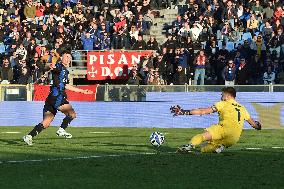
{"x": 211, "y": 41}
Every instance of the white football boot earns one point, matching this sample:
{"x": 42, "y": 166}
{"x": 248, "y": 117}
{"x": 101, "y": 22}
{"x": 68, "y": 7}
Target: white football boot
{"x": 28, "y": 139}
{"x": 62, "y": 132}
{"x": 187, "y": 148}
{"x": 220, "y": 149}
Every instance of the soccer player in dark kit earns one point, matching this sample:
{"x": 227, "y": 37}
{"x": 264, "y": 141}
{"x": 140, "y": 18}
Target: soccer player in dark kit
{"x": 57, "y": 100}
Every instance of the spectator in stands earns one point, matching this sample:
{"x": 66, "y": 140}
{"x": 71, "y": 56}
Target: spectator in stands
{"x": 105, "y": 42}
{"x": 177, "y": 24}
{"x": 277, "y": 43}
{"x": 154, "y": 78}
{"x": 179, "y": 78}
{"x": 141, "y": 24}
{"x": 152, "y": 44}
{"x": 37, "y": 68}
{"x": 269, "y": 76}
{"x": 120, "y": 40}
{"x": 14, "y": 60}
{"x": 258, "y": 46}
{"x": 43, "y": 80}
{"x": 88, "y": 41}
{"x": 170, "y": 44}
{"x": 6, "y": 72}
{"x": 267, "y": 32}
{"x": 30, "y": 11}
{"x": 243, "y": 73}
{"x": 229, "y": 73}
{"x": 25, "y": 77}
{"x": 226, "y": 30}
{"x": 165, "y": 68}
{"x": 50, "y": 57}
{"x": 133, "y": 33}
{"x": 21, "y": 51}
{"x": 253, "y": 24}
{"x": 134, "y": 79}
{"x": 196, "y": 30}
{"x": 140, "y": 44}
{"x": 200, "y": 62}
{"x": 257, "y": 66}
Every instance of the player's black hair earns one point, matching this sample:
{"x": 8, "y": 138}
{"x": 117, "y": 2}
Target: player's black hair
{"x": 230, "y": 90}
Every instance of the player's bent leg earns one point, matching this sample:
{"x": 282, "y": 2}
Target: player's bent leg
{"x": 47, "y": 119}
{"x": 200, "y": 138}
{"x": 214, "y": 132}
{"x": 209, "y": 148}
{"x": 70, "y": 113}
{"x": 213, "y": 147}
{"x": 195, "y": 141}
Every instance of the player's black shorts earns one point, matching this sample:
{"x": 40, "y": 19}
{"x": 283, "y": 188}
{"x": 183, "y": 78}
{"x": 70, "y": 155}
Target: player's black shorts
{"x": 52, "y": 103}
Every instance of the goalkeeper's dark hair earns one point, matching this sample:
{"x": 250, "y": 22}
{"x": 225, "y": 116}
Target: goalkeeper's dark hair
{"x": 230, "y": 90}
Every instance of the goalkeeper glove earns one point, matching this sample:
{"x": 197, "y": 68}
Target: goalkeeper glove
{"x": 177, "y": 110}
{"x": 258, "y": 124}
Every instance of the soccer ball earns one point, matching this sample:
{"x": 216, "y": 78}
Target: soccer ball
{"x": 157, "y": 139}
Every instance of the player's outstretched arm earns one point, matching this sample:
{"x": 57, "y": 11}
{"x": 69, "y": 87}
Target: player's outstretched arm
{"x": 77, "y": 90}
{"x": 201, "y": 111}
{"x": 254, "y": 124}
{"x": 177, "y": 110}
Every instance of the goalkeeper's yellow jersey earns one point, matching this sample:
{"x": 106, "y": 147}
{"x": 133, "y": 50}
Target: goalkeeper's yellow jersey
{"x": 231, "y": 114}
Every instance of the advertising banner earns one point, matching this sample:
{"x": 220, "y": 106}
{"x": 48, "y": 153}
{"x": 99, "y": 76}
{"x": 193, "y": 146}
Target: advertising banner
{"x": 112, "y": 65}
{"x": 268, "y": 108}
{"x": 42, "y": 91}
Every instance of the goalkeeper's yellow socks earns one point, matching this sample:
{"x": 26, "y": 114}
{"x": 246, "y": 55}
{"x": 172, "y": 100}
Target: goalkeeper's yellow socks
{"x": 197, "y": 140}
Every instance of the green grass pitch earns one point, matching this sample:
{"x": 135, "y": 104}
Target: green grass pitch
{"x": 99, "y": 158}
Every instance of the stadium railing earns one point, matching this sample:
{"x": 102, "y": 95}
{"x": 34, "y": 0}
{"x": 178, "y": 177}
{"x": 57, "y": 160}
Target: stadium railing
{"x": 11, "y": 92}
{"x": 108, "y": 92}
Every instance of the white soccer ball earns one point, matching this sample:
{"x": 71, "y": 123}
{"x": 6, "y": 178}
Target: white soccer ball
{"x": 157, "y": 139}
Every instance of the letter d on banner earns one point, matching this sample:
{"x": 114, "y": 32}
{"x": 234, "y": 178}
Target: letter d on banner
{"x": 105, "y": 71}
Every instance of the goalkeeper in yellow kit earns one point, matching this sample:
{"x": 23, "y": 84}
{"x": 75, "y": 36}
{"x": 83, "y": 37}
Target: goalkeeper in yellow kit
{"x": 224, "y": 134}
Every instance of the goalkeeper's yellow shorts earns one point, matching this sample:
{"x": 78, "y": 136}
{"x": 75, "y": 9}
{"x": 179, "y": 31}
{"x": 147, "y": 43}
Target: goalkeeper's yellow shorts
{"x": 221, "y": 136}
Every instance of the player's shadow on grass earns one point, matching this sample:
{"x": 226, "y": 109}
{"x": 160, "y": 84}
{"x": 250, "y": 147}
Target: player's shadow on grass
{"x": 112, "y": 136}
{"x": 163, "y": 149}
{"x": 11, "y": 141}
{"x": 118, "y": 144}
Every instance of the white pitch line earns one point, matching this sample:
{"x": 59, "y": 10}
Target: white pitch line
{"x": 277, "y": 147}
{"x": 100, "y": 156}
{"x": 11, "y": 132}
{"x": 73, "y": 158}
{"x": 253, "y": 148}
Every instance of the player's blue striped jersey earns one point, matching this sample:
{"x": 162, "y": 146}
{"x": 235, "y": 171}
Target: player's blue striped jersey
{"x": 59, "y": 79}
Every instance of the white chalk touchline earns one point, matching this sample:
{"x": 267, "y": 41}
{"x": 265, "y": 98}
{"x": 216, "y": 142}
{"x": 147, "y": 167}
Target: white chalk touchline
{"x": 253, "y": 148}
{"x": 11, "y": 132}
{"x": 277, "y": 147}
{"x": 274, "y": 147}
{"x": 74, "y": 158}
{"x": 101, "y": 156}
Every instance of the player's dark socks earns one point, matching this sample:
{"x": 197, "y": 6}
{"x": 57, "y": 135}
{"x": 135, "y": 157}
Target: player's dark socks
{"x": 66, "y": 122}
{"x": 37, "y": 129}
